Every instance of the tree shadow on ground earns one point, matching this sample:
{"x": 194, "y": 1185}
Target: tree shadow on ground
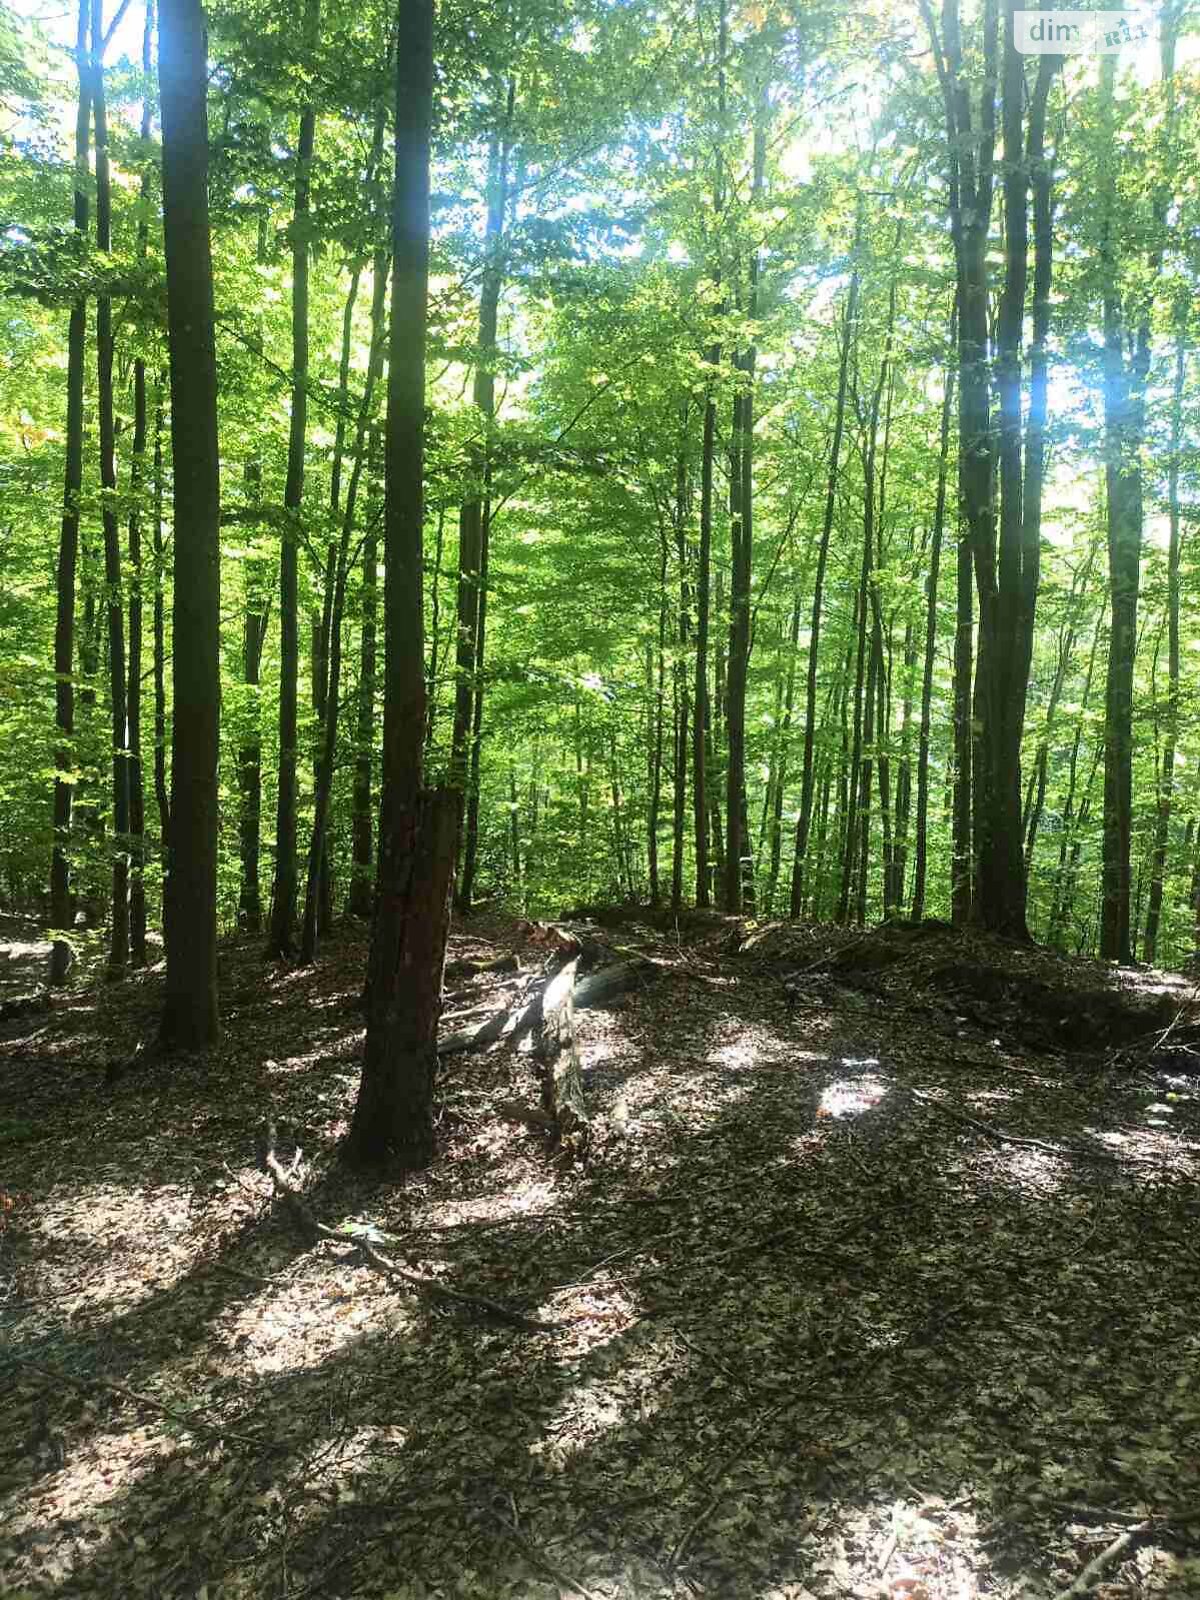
{"x": 809, "y": 1306}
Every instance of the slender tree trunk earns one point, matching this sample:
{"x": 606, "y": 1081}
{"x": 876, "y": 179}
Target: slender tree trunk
{"x": 680, "y": 675}
{"x": 281, "y": 938}
{"x": 656, "y": 689}
{"x": 739, "y": 858}
{"x": 61, "y": 917}
{"x": 249, "y": 755}
{"x": 775, "y": 829}
{"x": 137, "y": 481}
{"x": 1124, "y": 430}
{"x": 701, "y": 716}
{"x": 1166, "y": 787}
{"x": 159, "y": 667}
{"x": 468, "y": 686}
{"x": 853, "y": 769}
{"x": 394, "y": 1113}
{"x": 1036, "y": 792}
{"x": 804, "y": 822}
{"x": 1067, "y": 834}
{"x": 316, "y": 883}
{"x": 118, "y": 957}
{"x": 190, "y": 1018}
{"x": 470, "y": 846}
{"x": 435, "y": 639}
{"x": 360, "y": 884}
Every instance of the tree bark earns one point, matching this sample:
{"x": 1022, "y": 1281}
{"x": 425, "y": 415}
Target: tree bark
{"x": 1124, "y": 432}
{"x": 393, "y": 1116}
{"x": 804, "y": 821}
{"x": 360, "y": 884}
{"x": 190, "y": 1019}
{"x": 118, "y": 955}
{"x": 161, "y": 796}
{"x": 137, "y": 480}
{"x": 68, "y": 547}
{"x": 921, "y": 862}
{"x": 249, "y": 755}
{"x": 680, "y": 696}
{"x": 315, "y": 886}
{"x": 1166, "y": 787}
{"x": 473, "y": 515}
{"x": 281, "y": 938}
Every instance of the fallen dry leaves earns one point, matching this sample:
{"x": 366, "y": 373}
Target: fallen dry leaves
{"x": 881, "y": 1283}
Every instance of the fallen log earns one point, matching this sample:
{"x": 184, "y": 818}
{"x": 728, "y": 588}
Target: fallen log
{"x": 462, "y": 968}
{"x": 596, "y": 989}
{"x": 609, "y": 982}
{"x": 557, "y": 1061}
{"x": 25, "y": 1005}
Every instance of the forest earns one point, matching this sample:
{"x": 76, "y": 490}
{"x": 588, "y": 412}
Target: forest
{"x": 599, "y": 799}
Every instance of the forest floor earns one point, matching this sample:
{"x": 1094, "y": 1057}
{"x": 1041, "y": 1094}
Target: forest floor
{"x": 882, "y": 1280}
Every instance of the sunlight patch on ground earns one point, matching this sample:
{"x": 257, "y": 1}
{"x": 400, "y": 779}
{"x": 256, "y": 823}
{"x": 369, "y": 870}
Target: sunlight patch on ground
{"x": 992, "y": 1097}
{"x": 530, "y": 1200}
{"x": 77, "y": 1511}
{"x": 105, "y": 1225}
{"x": 1036, "y": 1169}
{"x": 625, "y": 1398}
{"x": 850, "y": 1097}
{"x": 300, "y": 1330}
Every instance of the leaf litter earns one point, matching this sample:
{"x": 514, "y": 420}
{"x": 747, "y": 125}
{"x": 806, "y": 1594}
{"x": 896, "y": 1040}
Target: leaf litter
{"x": 881, "y": 1281}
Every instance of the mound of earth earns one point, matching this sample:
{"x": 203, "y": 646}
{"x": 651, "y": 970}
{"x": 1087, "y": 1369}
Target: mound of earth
{"x": 1050, "y": 1002}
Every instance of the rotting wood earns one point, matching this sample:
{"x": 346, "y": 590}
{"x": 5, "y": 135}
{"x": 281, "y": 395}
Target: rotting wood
{"x": 462, "y": 968}
{"x": 596, "y": 989}
{"x": 557, "y": 1060}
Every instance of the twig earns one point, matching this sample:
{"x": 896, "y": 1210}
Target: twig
{"x": 248, "y": 1277}
{"x": 1121, "y": 1544}
{"x": 1104, "y": 1560}
{"x": 428, "y": 1286}
{"x": 1068, "y": 1151}
{"x": 536, "y": 1556}
{"x": 55, "y": 1375}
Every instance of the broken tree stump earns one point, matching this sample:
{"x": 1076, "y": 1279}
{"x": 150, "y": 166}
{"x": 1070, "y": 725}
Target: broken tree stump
{"x": 557, "y": 1060}
{"x": 510, "y": 1023}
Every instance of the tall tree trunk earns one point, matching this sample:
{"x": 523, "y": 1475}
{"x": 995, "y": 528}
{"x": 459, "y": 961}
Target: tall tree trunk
{"x": 159, "y": 668}
{"x": 137, "y": 481}
{"x": 470, "y": 844}
{"x": 473, "y": 518}
{"x": 190, "y": 1018}
{"x": 1166, "y": 787}
{"x": 281, "y": 938}
{"x": 61, "y": 917}
{"x": 1124, "y": 432}
{"x": 775, "y": 829}
{"x": 804, "y": 821}
{"x": 970, "y": 163}
{"x": 393, "y": 1116}
{"x": 316, "y": 884}
{"x": 680, "y": 673}
{"x": 118, "y": 955}
{"x": 1035, "y": 796}
{"x": 249, "y": 755}
{"x": 853, "y": 767}
{"x": 361, "y": 897}
{"x": 739, "y": 859}
{"x": 656, "y": 701}
{"x": 701, "y": 715}
{"x": 322, "y": 622}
